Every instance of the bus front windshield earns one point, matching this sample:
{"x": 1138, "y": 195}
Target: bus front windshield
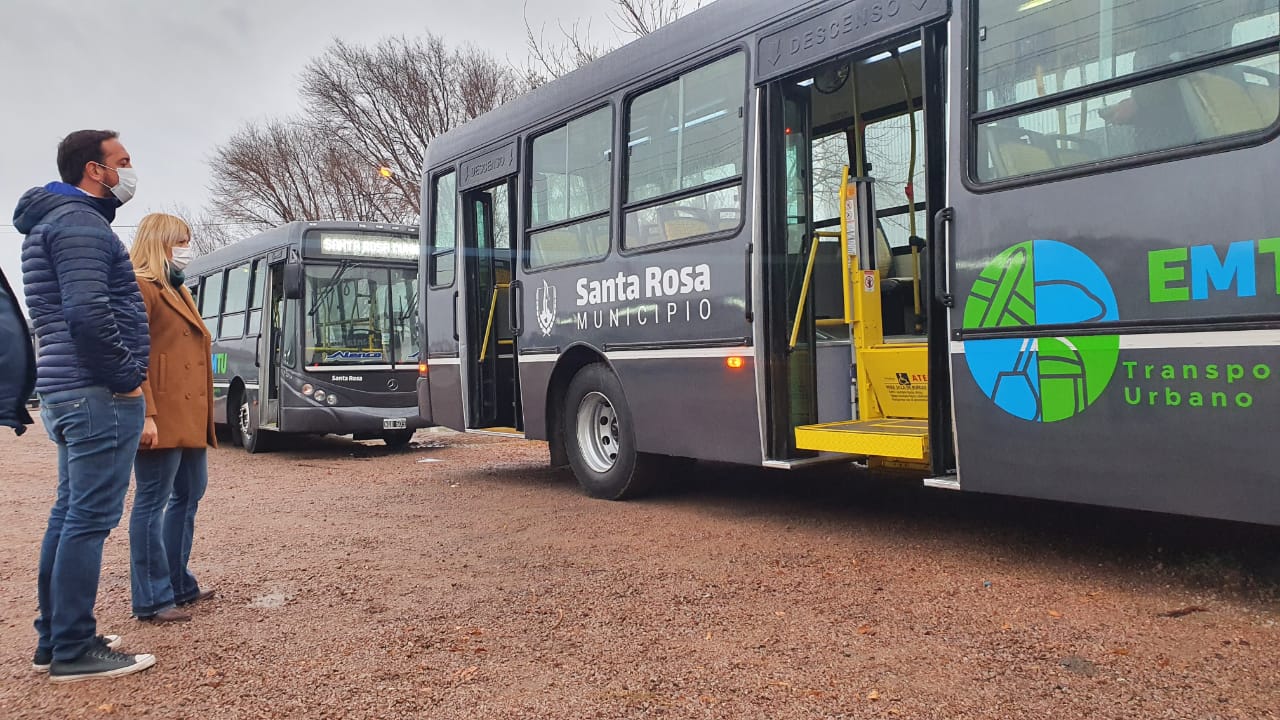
{"x": 361, "y": 315}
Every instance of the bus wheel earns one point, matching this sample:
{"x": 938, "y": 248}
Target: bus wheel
{"x": 600, "y": 437}
{"x": 397, "y": 439}
{"x": 252, "y": 439}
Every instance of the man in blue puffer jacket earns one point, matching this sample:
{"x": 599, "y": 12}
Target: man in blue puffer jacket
{"x": 91, "y": 327}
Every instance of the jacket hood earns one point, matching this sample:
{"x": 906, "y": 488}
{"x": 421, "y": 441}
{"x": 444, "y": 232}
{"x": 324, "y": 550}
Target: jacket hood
{"x": 38, "y": 202}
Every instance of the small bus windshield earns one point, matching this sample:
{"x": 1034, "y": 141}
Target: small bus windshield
{"x": 361, "y": 315}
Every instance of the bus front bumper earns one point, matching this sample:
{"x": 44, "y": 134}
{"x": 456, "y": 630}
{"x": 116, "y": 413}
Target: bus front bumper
{"x": 356, "y": 420}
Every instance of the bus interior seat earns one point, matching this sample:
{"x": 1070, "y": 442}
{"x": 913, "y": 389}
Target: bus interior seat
{"x": 679, "y": 222}
{"x": 1015, "y": 151}
{"x": 828, "y": 292}
{"x": 555, "y": 246}
{"x": 1223, "y": 103}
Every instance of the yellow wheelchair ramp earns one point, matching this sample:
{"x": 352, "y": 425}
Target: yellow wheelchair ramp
{"x": 900, "y": 439}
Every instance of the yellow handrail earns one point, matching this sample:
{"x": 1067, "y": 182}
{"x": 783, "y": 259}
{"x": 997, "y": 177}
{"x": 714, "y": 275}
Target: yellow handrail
{"x": 488, "y": 327}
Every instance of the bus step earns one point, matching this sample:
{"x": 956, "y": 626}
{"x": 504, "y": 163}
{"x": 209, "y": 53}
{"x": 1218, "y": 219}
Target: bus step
{"x": 904, "y": 439}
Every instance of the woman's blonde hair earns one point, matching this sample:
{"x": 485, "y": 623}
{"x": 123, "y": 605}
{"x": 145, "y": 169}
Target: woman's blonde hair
{"x": 150, "y": 252}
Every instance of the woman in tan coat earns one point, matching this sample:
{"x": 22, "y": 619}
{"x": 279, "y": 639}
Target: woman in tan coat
{"x": 170, "y": 466}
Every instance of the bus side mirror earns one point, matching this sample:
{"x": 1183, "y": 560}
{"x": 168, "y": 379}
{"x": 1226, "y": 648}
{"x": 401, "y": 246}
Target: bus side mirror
{"x": 293, "y": 281}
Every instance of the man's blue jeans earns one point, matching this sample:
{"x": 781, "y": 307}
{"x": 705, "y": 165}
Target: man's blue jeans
{"x": 97, "y": 435}
{"x": 170, "y": 484}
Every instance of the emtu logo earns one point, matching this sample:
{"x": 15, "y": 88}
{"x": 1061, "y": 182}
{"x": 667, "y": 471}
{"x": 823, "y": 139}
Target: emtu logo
{"x": 1045, "y": 379}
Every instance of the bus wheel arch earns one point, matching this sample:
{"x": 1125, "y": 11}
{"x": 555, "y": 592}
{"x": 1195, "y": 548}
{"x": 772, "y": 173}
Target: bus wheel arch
{"x": 571, "y": 361}
{"x": 599, "y": 436}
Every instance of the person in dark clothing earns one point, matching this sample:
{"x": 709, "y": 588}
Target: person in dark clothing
{"x": 18, "y": 360}
{"x": 91, "y": 329}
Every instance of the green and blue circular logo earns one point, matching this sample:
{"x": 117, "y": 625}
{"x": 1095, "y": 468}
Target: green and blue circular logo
{"x": 1046, "y": 379}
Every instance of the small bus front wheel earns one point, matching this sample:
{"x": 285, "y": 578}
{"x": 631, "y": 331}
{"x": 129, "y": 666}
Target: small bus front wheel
{"x": 600, "y": 437}
{"x": 397, "y": 439}
{"x": 249, "y": 435}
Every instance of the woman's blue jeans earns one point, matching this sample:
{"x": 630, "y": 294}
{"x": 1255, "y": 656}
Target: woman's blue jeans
{"x": 170, "y": 484}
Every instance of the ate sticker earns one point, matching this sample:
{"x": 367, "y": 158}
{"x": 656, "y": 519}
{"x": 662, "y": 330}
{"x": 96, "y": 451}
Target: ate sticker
{"x": 869, "y": 281}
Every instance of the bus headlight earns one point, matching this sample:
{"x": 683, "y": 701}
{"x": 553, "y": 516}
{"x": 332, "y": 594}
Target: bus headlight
{"x": 319, "y": 396}
{"x": 307, "y": 389}
{"x": 332, "y": 399}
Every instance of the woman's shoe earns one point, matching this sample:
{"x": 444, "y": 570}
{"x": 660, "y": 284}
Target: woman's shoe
{"x": 202, "y": 595}
{"x": 167, "y": 616}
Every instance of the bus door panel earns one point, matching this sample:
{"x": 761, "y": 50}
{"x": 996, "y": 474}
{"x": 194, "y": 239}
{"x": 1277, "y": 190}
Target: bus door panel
{"x": 270, "y": 346}
{"x": 790, "y": 337}
{"x": 440, "y": 391}
{"x": 491, "y": 395}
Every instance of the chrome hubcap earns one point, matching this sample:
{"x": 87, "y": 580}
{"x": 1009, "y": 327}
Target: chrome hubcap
{"x": 245, "y": 431}
{"x": 598, "y": 432}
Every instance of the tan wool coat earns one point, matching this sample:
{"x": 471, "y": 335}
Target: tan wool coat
{"x": 179, "y": 384}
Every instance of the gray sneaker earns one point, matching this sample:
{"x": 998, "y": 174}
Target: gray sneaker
{"x": 99, "y": 662}
{"x": 42, "y": 659}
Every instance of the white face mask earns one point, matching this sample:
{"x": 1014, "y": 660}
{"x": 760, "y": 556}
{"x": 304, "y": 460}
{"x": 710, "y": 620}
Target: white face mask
{"x": 182, "y": 255}
{"x": 127, "y": 186}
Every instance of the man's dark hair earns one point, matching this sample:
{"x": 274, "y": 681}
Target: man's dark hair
{"x": 78, "y": 148}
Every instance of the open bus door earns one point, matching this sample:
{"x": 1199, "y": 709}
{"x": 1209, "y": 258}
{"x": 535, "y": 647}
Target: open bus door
{"x": 490, "y": 393}
{"x": 850, "y": 183}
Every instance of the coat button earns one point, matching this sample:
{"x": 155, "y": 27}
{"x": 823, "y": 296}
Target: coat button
{"x": 186, "y": 332}
{"x": 188, "y": 396}
{"x": 188, "y": 366}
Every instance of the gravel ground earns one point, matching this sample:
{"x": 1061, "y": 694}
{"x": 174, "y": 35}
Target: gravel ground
{"x": 464, "y": 579}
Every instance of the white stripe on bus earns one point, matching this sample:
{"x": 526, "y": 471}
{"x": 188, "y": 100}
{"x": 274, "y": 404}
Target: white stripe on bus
{"x": 656, "y": 354}
{"x": 1164, "y": 341}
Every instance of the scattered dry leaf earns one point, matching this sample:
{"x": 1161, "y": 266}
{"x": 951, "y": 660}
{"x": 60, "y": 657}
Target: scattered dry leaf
{"x": 106, "y": 708}
{"x": 866, "y": 630}
{"x": 874, "y": 695}
{"x": 1120, "y": 651}
{"x": 1183, "y": 611}
{"x": 1055, "y": 614}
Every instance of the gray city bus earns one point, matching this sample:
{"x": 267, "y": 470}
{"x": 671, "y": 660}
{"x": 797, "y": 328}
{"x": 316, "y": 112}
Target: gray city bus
{"x": 1008, "y": 246}
{"x": 314, "y": 331}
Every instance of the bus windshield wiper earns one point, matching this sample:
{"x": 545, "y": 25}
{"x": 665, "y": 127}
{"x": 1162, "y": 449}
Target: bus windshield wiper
{"x": 331, "y": 283}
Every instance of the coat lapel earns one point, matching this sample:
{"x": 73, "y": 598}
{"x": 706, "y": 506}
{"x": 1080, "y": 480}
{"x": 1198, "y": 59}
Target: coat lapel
{"x": 180, "y": 300}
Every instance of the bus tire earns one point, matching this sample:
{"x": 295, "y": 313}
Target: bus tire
{"x": 252, "y": 438}
{"x": 397, "y": 439}
{"x": 600, "y": 437}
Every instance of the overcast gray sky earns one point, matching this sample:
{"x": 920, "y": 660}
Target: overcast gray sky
{"x": 176, "y": 77}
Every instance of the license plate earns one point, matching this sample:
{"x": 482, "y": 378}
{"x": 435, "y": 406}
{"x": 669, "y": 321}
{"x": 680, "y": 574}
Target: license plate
{"x": 393, "y": 424}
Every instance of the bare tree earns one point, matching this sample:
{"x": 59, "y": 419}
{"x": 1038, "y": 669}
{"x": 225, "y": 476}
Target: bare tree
{"x": 385, "y": 104}
{"x": 641, "y": 17}
{"x": 208, "y": 232}
{"x": 282, "y": 171}
{"x": 575, "y": 47}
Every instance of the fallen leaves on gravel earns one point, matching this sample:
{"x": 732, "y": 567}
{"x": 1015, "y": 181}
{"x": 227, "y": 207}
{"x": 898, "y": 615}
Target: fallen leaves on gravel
{"x": 1183, "y": 611}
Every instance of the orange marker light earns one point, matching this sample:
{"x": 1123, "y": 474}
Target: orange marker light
{"x": 422, "y": 368}
{"x": 735, "y": 362}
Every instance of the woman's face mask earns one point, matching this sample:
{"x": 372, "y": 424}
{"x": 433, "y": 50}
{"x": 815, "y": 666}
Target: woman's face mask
{"x": 182, "y": 255}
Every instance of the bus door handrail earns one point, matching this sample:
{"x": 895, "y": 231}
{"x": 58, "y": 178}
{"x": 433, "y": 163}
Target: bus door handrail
{"x": 493, "y": 309}
{"x": 804, "y": 287}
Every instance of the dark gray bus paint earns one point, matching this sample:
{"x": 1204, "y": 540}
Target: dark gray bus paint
{"x": 366, "y": 397}
{"x": 1174, "y": 421}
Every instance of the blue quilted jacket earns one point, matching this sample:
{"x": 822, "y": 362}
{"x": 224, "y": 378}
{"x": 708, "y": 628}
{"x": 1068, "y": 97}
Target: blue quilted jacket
{"x": 84, "y": 303}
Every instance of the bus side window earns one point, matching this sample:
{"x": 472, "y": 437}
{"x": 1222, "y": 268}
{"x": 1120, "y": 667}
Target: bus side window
{"x": 445, "y": 203}
{"x": 258, "y": 292}
{"x": 211, "y": 301}
{"x": 571, "y": 185}
{"x": 233, "y": 313}
{"x": 686, "y": 135}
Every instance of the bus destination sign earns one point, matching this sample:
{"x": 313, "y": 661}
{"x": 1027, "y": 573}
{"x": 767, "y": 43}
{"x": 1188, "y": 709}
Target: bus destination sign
{"x": 391, "y": 247}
